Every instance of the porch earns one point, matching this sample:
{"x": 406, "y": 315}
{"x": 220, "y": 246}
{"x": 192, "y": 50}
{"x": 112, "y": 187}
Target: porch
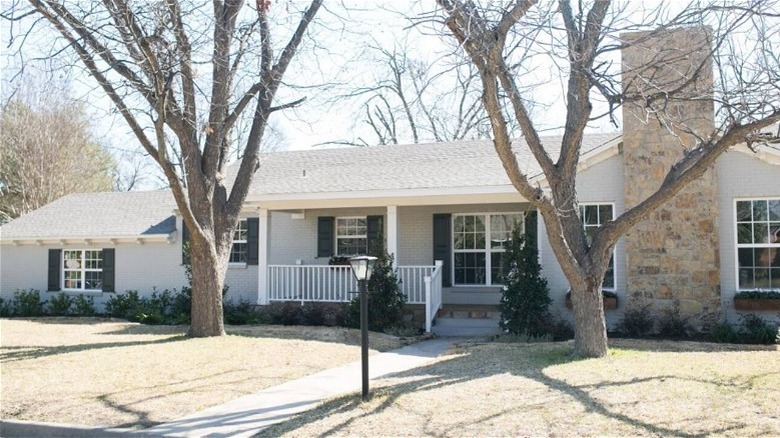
{"x": 333, "y": 283}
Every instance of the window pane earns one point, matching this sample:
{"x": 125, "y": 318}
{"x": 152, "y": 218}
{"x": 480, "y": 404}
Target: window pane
{"x": 774, "y": 210}
{"x": 470, "y": 268}
{"x": 459, "y": 224}
{"x": 590, "y": 214}
{"x": 746, "y": 278}
{"x": 93, "y": 280}
{"x": 775, "y": 273}
{"x": 72, "y": 279}
{"x": 609, "y": 276}
{"x": 496, "y": 267}
{"x": 745, "y": 256}
{"x": 605, "y": 214}
{"x": 351, "y": 246}
{"x": 238, "y": 253}
{"x": 767, "y": 256}
{"x": 759, "y": 211}
{"x": 762, "y": 278}
{"x": 745, "y": 233}
{"x": 744, "y": 211}
{"x": 760, "y": 233}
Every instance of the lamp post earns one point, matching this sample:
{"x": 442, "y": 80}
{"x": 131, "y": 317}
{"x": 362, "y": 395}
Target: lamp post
{"x": 363, "y": 267}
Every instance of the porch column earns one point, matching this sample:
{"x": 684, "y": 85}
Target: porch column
{"x": 392, "y": 232}
{"x": 262, "y": 256}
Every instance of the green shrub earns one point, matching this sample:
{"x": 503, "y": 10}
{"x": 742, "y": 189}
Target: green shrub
{"x": 128, "y": 306}
{"x": 525, "y": 297}
{"x": 385, "y": 299}
{"x": 83, "y": 305}
{"x": 286, "y": 313}
{"x": 5, "y": 308}
{"x": 724, "y": 333}
{"x": 755, "y": 330}
{"x": 180, "y": 310}
{"x": 560, "y": 329}
{"x": 671, "y": 324}
{"x": 59, "y": 304}
{"x": 28, "y": 303}
{"x": 241, "y": 313}
{"x": 637, "y": 322}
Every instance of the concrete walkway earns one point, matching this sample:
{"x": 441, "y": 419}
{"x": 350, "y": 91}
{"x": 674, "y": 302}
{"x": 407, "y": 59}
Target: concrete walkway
{"x": 250, "y": 414}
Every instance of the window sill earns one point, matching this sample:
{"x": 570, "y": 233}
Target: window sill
{"x": 236, "y": 265}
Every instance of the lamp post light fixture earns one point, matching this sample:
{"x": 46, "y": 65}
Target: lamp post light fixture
{"x": 363, "y": 267}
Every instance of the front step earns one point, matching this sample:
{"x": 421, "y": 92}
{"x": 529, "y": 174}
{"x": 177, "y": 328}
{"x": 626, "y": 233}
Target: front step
{"x": 467, "y": 320}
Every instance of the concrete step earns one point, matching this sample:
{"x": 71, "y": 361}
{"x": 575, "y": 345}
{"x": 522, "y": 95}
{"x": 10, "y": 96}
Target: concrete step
{"x": 466, "y": 327}
{"x": 467, "y": 322}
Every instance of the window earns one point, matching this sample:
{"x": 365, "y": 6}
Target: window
{"x": 594, "y": 216}
{"x": 758, "y": 243}
{"x": 238, "y": 250}
{"x": 478, "y": 242}
{"x": 351, "y": 236}
{"x": 82, "y": 269}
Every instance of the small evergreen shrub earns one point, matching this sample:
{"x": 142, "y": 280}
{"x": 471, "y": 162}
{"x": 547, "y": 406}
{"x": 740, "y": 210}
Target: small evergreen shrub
{"x": 28, "y": 303}
{"x": 180, "y": 310}
{"x": 5, "y": 308}
{"x": 525, "y": 297}
{"x": 671, "y": 324}
{"x": 242, "y": 312}
{"x": 286, "y": 313}
{"x": 313, "y": 314}
{"x": 755, "y": 330}
{"x": 560, "y": 329}
{"x": 59, "y": 304}
{"x": 724, "y": 333}
{"x": 83, "y": 305}
{"x": 637, "y": 321}
{"x": 128, "y": 306}
{"x": 385, "y": 299}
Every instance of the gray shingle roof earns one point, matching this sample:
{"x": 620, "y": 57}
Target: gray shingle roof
{"x": 401, "y": 167}
{"x": 420, "y": 166}
{"x": 97, "y": 215}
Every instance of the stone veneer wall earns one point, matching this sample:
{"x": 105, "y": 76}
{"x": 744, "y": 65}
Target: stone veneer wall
{"x": 673, "y": 254}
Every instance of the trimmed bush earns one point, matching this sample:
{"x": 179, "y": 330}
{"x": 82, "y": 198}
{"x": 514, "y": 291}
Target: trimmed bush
{"x": 59, "y": 304}
{"x": 671, "y": 324}
{"x": 287, "y": 313}
{"x": 241, "y": 313}
{"x": 724, "y": 333}
{"x": 637, "y": 322}
{"x": 5, "y": 308}
{"x": 28, "y": 303}
{"x": 755, "y": 330}
{"x": 83, "y": 305}
{"x": 127, "y": 306}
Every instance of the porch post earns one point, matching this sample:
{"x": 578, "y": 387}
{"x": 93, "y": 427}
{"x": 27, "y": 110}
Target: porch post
{"x": 392, "y": 232}
{"x": 262, "y": 256}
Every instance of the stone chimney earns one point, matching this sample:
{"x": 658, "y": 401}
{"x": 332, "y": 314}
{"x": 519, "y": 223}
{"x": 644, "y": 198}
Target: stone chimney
{"x": 673, "y": 254}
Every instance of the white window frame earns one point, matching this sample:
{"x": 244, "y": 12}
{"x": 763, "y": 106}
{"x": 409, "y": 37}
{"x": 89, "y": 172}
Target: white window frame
{"x": 488, "y": 251}
{"x": 738, "y": 245}
{"x": 244, "y": 241}
{"x": 83, "y": 269}
{"x": 348, "y": 236}
{"x": 582, "y": 205}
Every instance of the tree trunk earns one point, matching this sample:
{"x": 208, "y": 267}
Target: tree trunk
{"x": 590, "y": 331}
{"x": 208, "y": 279}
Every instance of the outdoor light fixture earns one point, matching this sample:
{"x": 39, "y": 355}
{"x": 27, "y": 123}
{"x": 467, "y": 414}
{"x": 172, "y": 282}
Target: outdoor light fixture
{"x": 363, "y": 267}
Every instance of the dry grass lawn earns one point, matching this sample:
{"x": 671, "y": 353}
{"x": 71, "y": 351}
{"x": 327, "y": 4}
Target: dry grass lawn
{"x": 93, "y": 371}
{"x": 643, "y": 388}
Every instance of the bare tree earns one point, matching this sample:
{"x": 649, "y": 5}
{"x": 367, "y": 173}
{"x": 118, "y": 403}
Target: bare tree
{"x": 580, "y": 38}
{"x": 412, "y": 100}
{"x": 47, "y": 152}
{"x": 187, "y": 71}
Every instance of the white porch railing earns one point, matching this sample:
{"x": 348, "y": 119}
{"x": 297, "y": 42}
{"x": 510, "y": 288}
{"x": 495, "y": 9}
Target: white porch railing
{"x": 306, "y": 283}
{"x": 432, "y": 295}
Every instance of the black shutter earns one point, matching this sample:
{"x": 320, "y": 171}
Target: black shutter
{"x": 375, "y": 235}
{"x": 252, "y": 238}
{"x": 55, "y": 256}
{"x": 442, "y": 244}
{"x": 108, "y": 270}
{"x": 531, "y": 230}
{"x": 185, "y": 240}
{"x": 325, "y": 237}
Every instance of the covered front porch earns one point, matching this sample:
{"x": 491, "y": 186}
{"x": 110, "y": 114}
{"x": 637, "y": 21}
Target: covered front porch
{"x": 444, "y": 252}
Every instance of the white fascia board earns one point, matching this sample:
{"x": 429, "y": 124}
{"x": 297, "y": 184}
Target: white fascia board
{"x": 506, "y": 194}
{"x": 91, "y": 240}
{"x": 762, "y": 152}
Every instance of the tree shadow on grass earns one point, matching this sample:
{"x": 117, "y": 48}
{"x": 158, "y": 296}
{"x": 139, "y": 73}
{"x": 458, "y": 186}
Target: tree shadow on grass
{"x": 685, "y": 346}
{"x": 472, "y": 365}
{"x": 10, "y": 354}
